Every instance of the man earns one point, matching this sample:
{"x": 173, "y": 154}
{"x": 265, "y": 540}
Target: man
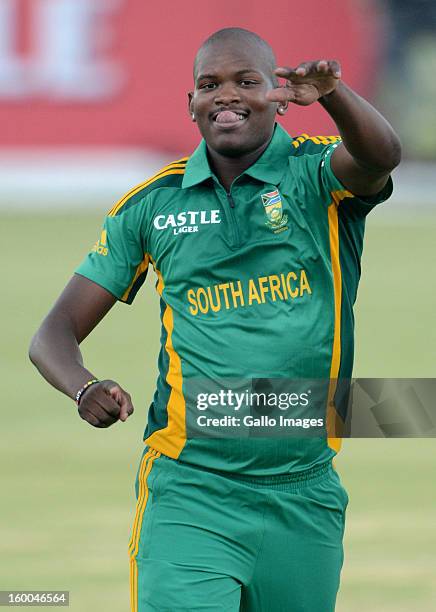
{"x": 256, "y": 242}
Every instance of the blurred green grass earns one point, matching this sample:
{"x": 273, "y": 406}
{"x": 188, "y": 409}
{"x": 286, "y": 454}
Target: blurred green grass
{"x": 67, "y": 489}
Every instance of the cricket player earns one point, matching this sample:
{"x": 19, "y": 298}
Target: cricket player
{"x": 256, "y": 240}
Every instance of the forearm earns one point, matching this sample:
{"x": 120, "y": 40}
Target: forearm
{"x": 55, "y": 352}
{"x": 366, "y": 134}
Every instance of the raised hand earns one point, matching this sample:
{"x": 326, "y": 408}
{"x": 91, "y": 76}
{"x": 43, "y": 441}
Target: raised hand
{"x": 104, "y": 403}
{"x": 306, "y": 83}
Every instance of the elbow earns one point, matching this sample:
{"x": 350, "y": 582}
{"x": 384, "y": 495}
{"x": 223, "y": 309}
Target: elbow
{"x": 396, "y": 151}
{"x": 388, "y": 156}
{"x": 387, "y": 160}
{"x": 384, "y": 159}
{"x": 392, "y": 153}
{"x": 36, "y": 348}
{"x": 33, "y": 352}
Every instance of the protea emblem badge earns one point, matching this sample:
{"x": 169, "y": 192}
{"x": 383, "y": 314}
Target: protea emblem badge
{"x": 272, "y": 202}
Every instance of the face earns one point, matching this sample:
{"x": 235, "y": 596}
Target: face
{"x": 228, "y": 101}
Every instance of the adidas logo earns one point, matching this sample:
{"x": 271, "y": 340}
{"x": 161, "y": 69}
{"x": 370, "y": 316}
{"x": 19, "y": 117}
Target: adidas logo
{"x": 100, "y": 246}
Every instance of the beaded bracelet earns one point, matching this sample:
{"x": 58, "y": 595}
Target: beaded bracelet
{"x": 81, "y": 391}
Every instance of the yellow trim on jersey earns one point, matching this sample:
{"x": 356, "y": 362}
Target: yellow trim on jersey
{"x": 320, "y": 140}
{"x": 177, "y": 167}
{"x": 334, "y": 420}
{"x": 139, "y": 270}
{"x": 150, "y": 453}
{"x": 145, "y": 469}
{"x": 171, "y": 439}
{"x": 133, "y": 585}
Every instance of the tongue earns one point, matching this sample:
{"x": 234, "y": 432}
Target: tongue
{"x": 227, "y": 117}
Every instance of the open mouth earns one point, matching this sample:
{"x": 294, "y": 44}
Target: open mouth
{"x": 229, "y": 118}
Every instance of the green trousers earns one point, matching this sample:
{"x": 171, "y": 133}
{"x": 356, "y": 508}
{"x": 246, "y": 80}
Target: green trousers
{"x": 207, "y": 541}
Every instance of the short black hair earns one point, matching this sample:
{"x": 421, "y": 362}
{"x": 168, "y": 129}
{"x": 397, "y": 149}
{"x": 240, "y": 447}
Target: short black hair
{"x": 243, "y": 35}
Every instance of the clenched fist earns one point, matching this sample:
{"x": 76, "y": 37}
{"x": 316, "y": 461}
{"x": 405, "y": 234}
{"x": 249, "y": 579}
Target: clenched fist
{"x": 104, "y": 403}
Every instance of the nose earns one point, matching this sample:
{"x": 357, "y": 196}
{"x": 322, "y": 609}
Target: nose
{"x": 227, "y": 94}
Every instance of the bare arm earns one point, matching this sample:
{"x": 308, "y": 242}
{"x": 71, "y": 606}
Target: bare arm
{"x": 370, "y": 149}
{"x": 55, "y": 351}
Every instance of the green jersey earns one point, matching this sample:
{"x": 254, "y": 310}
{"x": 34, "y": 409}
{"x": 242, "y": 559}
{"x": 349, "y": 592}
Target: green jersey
{"x": 257, "y": 282}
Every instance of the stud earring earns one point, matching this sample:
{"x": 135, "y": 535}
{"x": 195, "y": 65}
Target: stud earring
{"x": 193, "y": 117}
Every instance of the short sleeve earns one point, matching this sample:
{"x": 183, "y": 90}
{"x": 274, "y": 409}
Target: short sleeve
{"x": 359, "y": 204}
{"x": 119, "y": 260}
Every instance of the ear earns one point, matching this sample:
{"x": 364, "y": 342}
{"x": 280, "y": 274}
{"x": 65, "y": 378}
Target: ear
{"x": 282, "y": 108}
{"x": 191, "y": 104}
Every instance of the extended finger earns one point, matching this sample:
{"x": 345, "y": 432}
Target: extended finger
{"x": 322, "y": 66}
{"x": 280, "y": 94}
{"x": 305, "y": 68}
{"x": 335, "y": 68}
{"x": 301, "y": 70}
{"x": 329, "y": 67}
{"x": 284, "y": 72}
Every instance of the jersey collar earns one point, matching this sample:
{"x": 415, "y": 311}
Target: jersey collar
{"x": 269, "y": 168}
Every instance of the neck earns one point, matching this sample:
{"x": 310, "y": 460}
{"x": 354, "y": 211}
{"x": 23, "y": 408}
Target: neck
{"x": 227, "y": 169}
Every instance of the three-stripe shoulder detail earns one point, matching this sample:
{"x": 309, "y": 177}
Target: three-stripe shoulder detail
{"x": 317, "y": 140}
{"x": 175, "y": 168}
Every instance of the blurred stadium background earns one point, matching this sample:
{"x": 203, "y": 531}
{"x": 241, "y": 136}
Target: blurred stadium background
{"x": 92, "y": 101}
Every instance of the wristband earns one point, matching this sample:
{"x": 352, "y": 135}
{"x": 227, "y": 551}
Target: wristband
{"x": 81, "y": 391}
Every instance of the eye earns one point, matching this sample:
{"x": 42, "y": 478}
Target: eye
{"x": 248, "y": 82}
{"x": 207, "y": 86}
